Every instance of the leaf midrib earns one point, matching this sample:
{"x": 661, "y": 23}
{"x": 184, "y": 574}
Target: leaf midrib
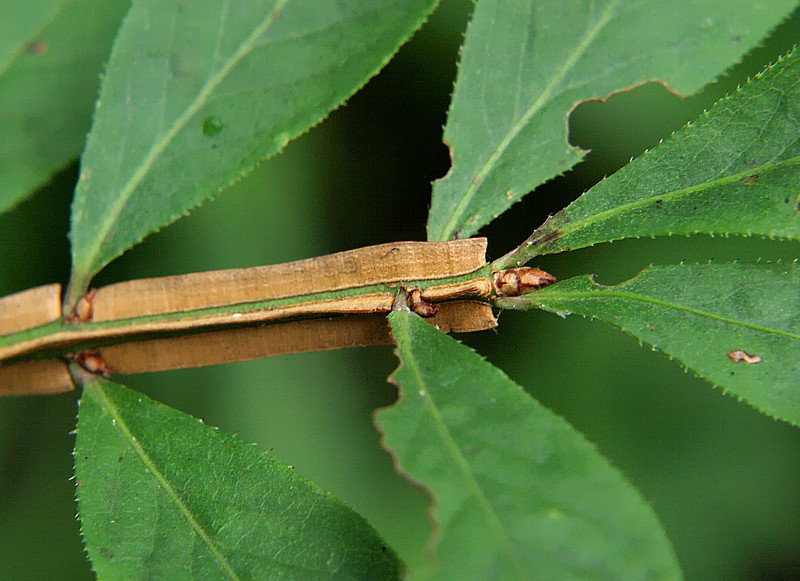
{"x": 461, "y": 462}
{"x": 598, "y": 217}
{"x": 161, "y": 480}
{"x": 543, "y": 98}
{"x": 111, "y": 217}
{"x": 604, "y": 294}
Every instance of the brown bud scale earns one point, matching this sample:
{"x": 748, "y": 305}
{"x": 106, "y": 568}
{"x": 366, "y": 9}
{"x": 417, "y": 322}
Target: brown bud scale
{"x": 514, "y": 282}
{"x": 420, "y": 306}
{"x": 82, "y": 313}
{"x": 92, "y": 362}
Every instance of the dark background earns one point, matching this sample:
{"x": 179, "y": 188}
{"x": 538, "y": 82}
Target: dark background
{"x": 722, "y": 477}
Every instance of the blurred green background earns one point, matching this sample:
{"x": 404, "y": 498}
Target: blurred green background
{"x": 722, "y": 477}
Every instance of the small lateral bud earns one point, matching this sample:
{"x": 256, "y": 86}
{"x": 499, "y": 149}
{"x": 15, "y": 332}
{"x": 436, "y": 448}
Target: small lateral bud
{"x": 92, "y": 362}
{"x": 420, "y": 306}
{"x": 82, "y": 313}
{"x": 514, "y": 282}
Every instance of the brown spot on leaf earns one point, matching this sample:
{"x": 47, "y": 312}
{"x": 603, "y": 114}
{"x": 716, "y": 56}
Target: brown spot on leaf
{"x": 549, "y": 236}
{"x": 738, "y": 356}
{"x": 751, "y": 179}
{"x": 37, "y": 48}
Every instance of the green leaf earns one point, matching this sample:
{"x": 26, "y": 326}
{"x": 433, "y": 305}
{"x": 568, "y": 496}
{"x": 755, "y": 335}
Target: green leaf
{"x": 51, "y": 55}
{"x": 197, "y": 93}
{"x": 18, "y": 28}
{"x": 701, "y": 315}
{"x": 735, "y": 171}
{"x": 163, "y": 496}
{"x": 526, "y": 65}
{"x": 517, "y": 492}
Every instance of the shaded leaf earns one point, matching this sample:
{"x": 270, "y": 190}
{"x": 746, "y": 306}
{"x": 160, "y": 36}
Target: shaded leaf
{"x": 735, "y": 171}
{"x": 517, "y": 492}
{"x": 163, "y": 496}
{"x": 18, "y": 27}
{"x": 525, "y": 65}
{"x": 197, "y": 93}
{"x": 703, "y": 315}
{"x": 51, "y": 55}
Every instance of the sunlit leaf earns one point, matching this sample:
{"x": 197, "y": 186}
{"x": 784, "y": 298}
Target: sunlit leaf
{"x": 51, "y": 56}
{"x": 196, "y": 93}
{"x": 525, "y": 65}
{"x": 735, "y": 171}
{"x": 163, "y": 496}
{"x": 517, "y": 492}
{"x": 736, "y": 325}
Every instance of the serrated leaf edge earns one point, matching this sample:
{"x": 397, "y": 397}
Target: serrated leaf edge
{"x": 453, "y": 448}
{"x": 450, "y": 228}
{"x": 95, "y": 389}
{"x": 160, "y": 145}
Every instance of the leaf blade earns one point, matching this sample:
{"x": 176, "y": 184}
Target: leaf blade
{"x": 518, "y": 493}
{"x": 48, "y": 81}
{"x": 20, "y": 27}
{"x": 506, "y": 127}
{"x": 218, "y": 507}
{"x": 733, "y": 172}
{"x": 226, "y": 86}
{"x": 702, "y": 315}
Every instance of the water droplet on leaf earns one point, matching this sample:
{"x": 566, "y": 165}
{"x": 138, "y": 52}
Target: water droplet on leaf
{"x": 212, "y": 126}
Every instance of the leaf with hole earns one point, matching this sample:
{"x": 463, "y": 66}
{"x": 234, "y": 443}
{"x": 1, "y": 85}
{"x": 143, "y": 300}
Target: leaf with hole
{"x": 525, "y": 65}
{"x": 735, "y": 171}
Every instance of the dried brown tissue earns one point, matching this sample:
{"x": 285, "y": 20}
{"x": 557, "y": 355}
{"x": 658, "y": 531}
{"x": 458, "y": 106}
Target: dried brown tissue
{"x": 378, "y": 264}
